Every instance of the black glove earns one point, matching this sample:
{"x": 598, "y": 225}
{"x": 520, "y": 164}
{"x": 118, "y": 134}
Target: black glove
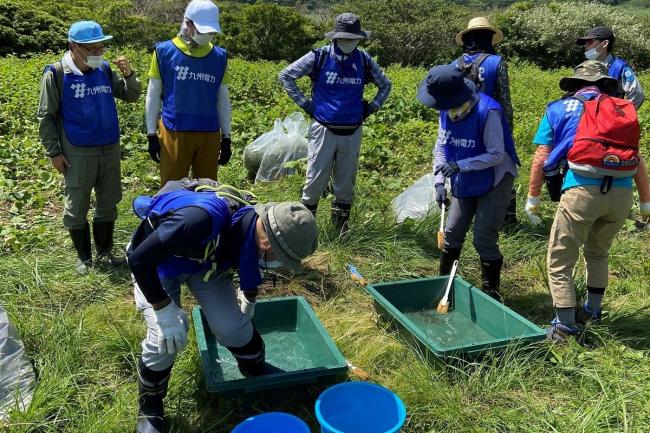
{"x": 367, "y": 110}
{"x": 448, "y": 169}
{"x": 226, "y": 151}
{"x": 308, "y": 107}
{"x": 154, "y": 147}
{"x": 441, "y": 195}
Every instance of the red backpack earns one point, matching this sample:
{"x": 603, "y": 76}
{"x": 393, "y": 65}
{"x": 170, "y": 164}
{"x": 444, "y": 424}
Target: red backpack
{"x": 607, "y": 139}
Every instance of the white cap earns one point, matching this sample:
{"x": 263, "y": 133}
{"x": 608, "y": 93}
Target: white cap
{"x": 205, "y": 16}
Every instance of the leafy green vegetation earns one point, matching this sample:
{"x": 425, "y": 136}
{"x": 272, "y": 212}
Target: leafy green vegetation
{"x": 83, "y": 333}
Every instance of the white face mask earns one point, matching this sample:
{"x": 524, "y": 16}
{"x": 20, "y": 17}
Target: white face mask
{"x": 273, "y": 264}
{"x": 592, "y": 54}
{"x": 94, "y": 62}
{"x": 202, "y": 38}
{"x": 347, "y": 45}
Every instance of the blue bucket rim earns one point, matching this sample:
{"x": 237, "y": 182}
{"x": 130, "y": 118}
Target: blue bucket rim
{"x": 267, "y": 414}
{"x": 400, "y": 405}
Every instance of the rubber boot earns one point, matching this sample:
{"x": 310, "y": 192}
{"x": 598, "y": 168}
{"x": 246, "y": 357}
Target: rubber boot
{"x": 313, "y": 208}
{"x": 81, "y": 241}
{"x": 447, "y": 258}
{"x": 251, "y": 356}
{"x": 152, "y": 389}
{"x": 103, "y": 234}
{"x": 340, "y": 216}
{"x": 491, "y": 276}
{"x": 511, "y": 213}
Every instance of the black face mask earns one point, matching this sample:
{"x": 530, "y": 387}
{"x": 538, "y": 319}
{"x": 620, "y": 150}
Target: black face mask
{"x": 478, "y": 41}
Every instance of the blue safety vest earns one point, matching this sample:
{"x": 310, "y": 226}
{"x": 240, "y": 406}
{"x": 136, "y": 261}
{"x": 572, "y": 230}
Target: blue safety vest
{"x": 563, "y": 115}
{"x": 190, "y": 87}
{"x": 464, "y": 139}
{"x": 616, "y": 68}
{"x": 88, "y": 108}
{"x": 488, "y": 71}
{"x": 337, "y": 90}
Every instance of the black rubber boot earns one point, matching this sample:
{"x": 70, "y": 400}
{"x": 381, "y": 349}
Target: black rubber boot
{"x": 491, "y": 276}
{"x": 152, "y": 389}
{"x": 103, "y": 234}
{"x": 340, "y": 216}
{"x": 447, "y": 258}
{"x": 313, "y": 208}
{"x": 81, "y": 241}
{"x": 251, "y": 356}
{"x": 511, "y": 213}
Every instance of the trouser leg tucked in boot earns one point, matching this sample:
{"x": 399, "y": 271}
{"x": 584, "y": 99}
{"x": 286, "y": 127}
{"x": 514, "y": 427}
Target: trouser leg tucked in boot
{"x": 491, "y": 276}
{"x": 251, "y": 356}
{"x": 341, "y": 215}
{"x": 103, "y": 234}
{"x": 447, "y": 258}
{"x": 152, "y": 389}
{"x": 81, "y": 241}
{"x": 313, "y": 208}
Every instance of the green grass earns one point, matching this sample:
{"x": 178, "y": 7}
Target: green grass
{"x": 83, "y": 333}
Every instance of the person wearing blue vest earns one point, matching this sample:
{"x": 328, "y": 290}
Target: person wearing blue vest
{"x": 476, "y": 152}
{"x": 78, "y": 125}
{"x": 598, "y": 45}
{"x": 187, "y": 99}
{"x": 481, "y": 63}
{"x": 339, "y": 73}
{"x": 192, "y": 235}
{"x": 586, "y": 217}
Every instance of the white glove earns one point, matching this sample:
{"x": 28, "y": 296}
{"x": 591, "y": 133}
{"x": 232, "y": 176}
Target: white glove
{"x": 172, "y": 329}
{"x": 532, "y": 210}
{"x": 644, "y": 209}
{"x": 246, "y": 307}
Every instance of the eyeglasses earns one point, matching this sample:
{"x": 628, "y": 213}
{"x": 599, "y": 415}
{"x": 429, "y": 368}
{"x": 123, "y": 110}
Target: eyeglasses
{"x": 94, "y": 51}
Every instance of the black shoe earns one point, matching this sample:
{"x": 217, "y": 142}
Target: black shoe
{"x": 341, "y": 216}
{"x": 152, "y": 389}
{"x": 447, "y": 259}
{"x": 313, "y": 208}
{"x": 491, "y": 276}
{"x": 103, "y": 234}
{"x": 81, "y": 241}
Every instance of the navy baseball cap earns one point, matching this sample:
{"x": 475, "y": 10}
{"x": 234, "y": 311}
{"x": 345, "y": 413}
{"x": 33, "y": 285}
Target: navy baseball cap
{"x": 87, "y": 32}
{"x": 445, "y": 87}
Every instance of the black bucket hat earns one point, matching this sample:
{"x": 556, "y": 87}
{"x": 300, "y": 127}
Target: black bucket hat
{"x": 445, "y": 87}
{"x": 347, "y": 26}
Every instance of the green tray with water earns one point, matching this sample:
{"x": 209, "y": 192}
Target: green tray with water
{"x": 475, "y": 323}
{"x": 299, "y": 350}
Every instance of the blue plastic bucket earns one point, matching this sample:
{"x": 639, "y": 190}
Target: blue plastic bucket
{"x": 359, "y": 407}
{"x": 272, "y": 422}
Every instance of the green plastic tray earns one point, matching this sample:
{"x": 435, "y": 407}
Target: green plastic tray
{"x": 296, "y": 344}
{"x": 475, "y": 323}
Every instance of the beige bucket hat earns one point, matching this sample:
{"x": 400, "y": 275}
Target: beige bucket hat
{"x": 480, "y": 23}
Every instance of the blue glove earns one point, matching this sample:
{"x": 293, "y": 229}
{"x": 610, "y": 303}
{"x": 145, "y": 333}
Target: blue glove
{"x": 441, "y": 195}
{"x": 448, "y": 169}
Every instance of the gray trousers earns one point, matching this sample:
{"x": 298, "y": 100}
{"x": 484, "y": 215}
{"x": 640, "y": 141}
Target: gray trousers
{"x": 335, "y": 155}
{"x": 217, "y": 299}
{"x": 488, "y": 212}
{"x": 98, "y": 168}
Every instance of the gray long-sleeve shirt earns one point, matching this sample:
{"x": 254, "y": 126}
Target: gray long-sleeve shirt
{"x": 49, "y": 117}
{"x": 304, "y": 66}
{"x": 494, "y": 156}
{"x": 630, "y": 84}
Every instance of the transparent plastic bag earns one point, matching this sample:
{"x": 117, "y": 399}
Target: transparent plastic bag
{"x": 291, "y": 147}
{"x": 17, "y": 377}
{"x": 254, "y": 152}
{"x": 417, "y": 200}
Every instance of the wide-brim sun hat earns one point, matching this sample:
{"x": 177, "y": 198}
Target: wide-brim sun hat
{"x": 590, "y": 71}
{"x": 87, "y": 32}
{"x": 445, "y": 87}
{"x": 480, "y": 23}
{"x": 347, "y": 26}
{"x": 291, "y": 230}
{"x": 204, "y": 15}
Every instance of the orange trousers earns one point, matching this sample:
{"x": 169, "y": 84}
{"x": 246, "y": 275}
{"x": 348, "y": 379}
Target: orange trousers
{"x": 181, "y": 151}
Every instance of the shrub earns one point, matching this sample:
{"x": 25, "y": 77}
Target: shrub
{"x": 546, "y": 34}
{"x": 24, "y": 30}
{"x": 410, "y": 32}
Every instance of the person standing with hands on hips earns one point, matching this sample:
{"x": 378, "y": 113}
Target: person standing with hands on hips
{"x": 79, "y": 128}
{"x": 188, "y": 92}
{"x": 339, "y": 73}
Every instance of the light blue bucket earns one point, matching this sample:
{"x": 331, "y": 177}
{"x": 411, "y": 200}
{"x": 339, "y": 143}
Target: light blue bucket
{"x": 359, "y": 407}
{"x": 272, "y": 422}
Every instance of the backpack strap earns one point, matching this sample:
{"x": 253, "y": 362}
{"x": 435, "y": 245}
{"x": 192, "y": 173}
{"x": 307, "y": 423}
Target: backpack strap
{"x": 320, "y": 56}
{"x": 58, "y": 75}
{"x": 480, "y": 59}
